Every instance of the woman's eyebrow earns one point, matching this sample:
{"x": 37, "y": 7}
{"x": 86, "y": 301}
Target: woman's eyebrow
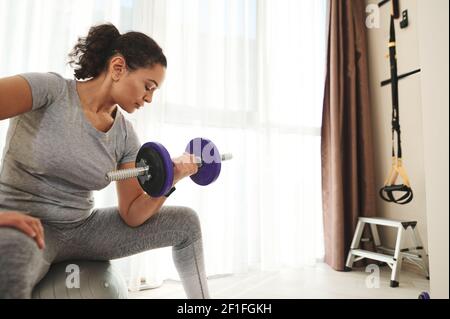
{"x": 156, "y": 83}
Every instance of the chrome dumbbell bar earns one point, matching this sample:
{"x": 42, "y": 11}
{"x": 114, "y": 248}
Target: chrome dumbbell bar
{"x": 127, "y": 173}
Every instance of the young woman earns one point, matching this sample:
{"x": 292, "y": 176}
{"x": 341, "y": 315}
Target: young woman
{"x": 64, "y": 136}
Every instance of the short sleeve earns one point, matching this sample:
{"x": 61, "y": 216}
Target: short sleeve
{"x": 132, "y": 145}
{"x": 45, "y": 87}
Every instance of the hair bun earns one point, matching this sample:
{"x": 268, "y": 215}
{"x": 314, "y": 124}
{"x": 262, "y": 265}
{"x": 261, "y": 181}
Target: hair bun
{"x": 91, "y": 54}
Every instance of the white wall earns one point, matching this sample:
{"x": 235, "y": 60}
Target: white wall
{"x": 424, "y": 123}
{"x": 434, "y": 55}
{"x": 410, "y": 116}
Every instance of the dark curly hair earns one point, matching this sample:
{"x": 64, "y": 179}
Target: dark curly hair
{"x": 91, "y": 55}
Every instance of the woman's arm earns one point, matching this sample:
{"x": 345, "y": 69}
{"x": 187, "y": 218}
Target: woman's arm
{"x": 143, "y": 208}
{"x": 15, "y": 97}
{"x": 135, "y": 206}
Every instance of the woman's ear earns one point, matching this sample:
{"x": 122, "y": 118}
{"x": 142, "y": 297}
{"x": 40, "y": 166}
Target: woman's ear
{"x": 117, "y": 67}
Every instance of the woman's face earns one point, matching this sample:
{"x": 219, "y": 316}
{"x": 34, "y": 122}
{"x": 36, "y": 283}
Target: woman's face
{"x": 131, "y": 89}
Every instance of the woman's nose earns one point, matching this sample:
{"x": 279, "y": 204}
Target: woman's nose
{"x": 148, "y": 98}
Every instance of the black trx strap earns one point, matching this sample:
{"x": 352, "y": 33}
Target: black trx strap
{"x": 389, "y": 188}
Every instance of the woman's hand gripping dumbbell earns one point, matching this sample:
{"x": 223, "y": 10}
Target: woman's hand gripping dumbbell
{"x": 155, "y": 168}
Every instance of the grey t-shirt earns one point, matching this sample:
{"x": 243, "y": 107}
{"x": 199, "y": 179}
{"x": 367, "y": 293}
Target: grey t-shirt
{"x": 54, "y": 157}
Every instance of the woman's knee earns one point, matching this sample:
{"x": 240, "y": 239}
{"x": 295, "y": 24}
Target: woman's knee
{"x": 17, "y": 263}
{"x": 192, "y": 221}
{"x": 190, "y": 225}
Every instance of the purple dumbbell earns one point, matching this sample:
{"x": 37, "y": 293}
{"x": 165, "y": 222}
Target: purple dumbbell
{"x": 209, "y": 158}
{"x": 159, "y": 177}
{"x": 154, "y": 166}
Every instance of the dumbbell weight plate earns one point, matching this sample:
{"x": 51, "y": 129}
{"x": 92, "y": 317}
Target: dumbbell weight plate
{"x": 160, "y": 165}
{"x": 211, "y": 160}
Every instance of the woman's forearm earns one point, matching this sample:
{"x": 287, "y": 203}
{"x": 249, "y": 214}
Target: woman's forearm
{"x": 142, "y": 208}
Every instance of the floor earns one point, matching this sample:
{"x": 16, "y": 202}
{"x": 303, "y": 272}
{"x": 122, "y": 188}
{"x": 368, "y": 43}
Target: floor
{"x": 316, "y": 282}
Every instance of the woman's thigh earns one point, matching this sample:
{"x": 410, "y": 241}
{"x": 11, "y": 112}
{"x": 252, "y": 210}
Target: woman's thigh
{"x": 105, "y": 236}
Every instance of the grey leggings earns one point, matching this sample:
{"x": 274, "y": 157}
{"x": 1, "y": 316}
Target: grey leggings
{"x": 103, "y": 236}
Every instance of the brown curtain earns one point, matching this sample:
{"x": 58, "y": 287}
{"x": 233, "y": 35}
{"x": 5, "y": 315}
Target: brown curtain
{"x": 348, "y": 185}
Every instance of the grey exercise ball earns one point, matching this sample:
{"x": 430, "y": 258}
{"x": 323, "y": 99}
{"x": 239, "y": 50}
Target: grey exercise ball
{"x": 81, "y": 280}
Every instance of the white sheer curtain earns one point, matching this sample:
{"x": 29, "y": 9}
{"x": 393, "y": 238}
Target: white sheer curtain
{"x": 247, "y": 74}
